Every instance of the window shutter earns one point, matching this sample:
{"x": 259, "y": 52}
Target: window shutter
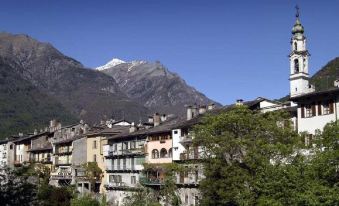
{"x": 319, "y": 108}
{"x": 313, "y": 109}
{"x": 331, "y": 107}
{"x": 302, "y": 111}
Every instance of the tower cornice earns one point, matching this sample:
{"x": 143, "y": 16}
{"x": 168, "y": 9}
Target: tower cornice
{"x": 303, "y": 53}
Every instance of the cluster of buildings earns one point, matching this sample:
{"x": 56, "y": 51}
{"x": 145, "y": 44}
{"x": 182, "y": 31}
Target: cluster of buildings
{"x": 122, "y": 149}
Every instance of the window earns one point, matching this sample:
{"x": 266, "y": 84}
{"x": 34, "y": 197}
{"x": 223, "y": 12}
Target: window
{"x": 115, "y": 178}
{"x": 155, "y": 154}
{"x": 118, "y": 164}
{"x": 140, "y": 160}
{"x": 175, "y": 131}
{"x": 328, "y": 107}
{"x": 123, "y": 164}
{"x": 295, "y": 46}
{"x": 163, "y": 153}
{"x": 308, "y": 139}
{"x": 133, "y": 145}
{"x": 125, "y": 145}
{"x": 310, "y": 110}
{"x": 170, "y": 152}
{"x": 133, "y": 180}
{"x": 115, "y": 147}
{"x": 11, "y": 146}
{"x": 296, "y": 66}
{"x": 186, "y": 199}
{"x": 94, "y": 144}
{"x": 94, "y": 158}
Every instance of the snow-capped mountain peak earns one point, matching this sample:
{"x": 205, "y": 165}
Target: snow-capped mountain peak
{"x": 110, "y": 64}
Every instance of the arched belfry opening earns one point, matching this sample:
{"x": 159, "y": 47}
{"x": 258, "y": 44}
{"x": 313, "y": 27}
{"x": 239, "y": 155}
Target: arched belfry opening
{"x": 296, "y": 66}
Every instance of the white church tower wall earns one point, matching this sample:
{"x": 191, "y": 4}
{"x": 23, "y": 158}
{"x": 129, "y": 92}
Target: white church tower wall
{"x": 299, "y": 76}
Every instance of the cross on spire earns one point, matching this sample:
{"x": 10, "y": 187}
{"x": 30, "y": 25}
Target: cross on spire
{"x": 297, "y": 8}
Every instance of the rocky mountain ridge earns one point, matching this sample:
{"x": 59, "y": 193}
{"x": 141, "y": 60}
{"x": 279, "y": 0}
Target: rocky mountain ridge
{"x": 154, "y": 86}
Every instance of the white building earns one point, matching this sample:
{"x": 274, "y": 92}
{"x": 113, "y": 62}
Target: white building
{"x": 124, "y": 157}
{"x": 299, "y": 77}
{"x": 315, "y": 108}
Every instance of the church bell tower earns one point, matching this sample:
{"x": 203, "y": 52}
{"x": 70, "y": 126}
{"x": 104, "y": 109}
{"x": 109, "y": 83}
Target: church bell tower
{"x": 299, "y": 77}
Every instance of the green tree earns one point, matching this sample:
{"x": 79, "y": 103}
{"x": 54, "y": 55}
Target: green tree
{"x": 85, "y": 200}
{"x": 93, "y": 174}
{"x": 16, "y": 190}
{"x": 142, "y": 197}
{"x": 243, "y": 149}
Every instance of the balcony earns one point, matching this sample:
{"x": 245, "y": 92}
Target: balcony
{"x": 150, "y": 181}
{"x": 43, "y": 161}
{"x": 62, "y": 163}
{"x": 127, "y": 152}
{"x": 186, "y": 140}
{"x": 61, "y": 176}
{"x": 190, "y": 155}
{"x": 63, "y": 151}
{"x": 187, "y": 181}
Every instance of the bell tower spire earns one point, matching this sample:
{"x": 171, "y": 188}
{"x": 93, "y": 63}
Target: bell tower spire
{"x": 299, "y": 77}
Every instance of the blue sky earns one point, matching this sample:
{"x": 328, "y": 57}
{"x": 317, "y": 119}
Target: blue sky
{"x": 225, "y": 49}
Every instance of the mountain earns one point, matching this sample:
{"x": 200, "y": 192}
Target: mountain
{"x": 325, "y": 77}
{"x": 154, "y": 86}
{"x": 22, "y": 106}
{"x": 87, "y": 94}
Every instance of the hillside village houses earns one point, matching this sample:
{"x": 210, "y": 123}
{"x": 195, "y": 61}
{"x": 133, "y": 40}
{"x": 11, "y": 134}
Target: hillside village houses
{"x": 133, "y": 156}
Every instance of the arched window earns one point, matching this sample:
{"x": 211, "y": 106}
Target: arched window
{"x": 155, "y": 154}
{"x": 163, "y": 153}
{"x": 296, "y": 66}
{"x": 170, "y": 152}
{"x": 295, "y": 46}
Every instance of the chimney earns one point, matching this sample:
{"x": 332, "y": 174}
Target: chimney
{"x": 21, "y": 134}
{"x": 156, "y": 119}
{"x": 189, "y": 112}
{"x": 210, "y": 106}
{"x": 202, "y": 109}
{"x": 150, "y": 119}
{"x": 132, "y": 128}
{"x": 163, "y": 117}
{"x": 52, "y": 123}
{"x": 35, "y": 132}
{"x": 336, "y": 83}
{"x": 239, "y": 102}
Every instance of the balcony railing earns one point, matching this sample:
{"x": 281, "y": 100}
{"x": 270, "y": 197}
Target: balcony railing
{"x": 149, "y": 181}
{"x": 61, "y": 162}
{"x": 186, "y": 140}
{"x": 63, "y": 151}
{"x": 61, "y": 176}
{"x": 189, "y": 156}
{"x": 126, "y": 152}
{"x": 187, "y": 181}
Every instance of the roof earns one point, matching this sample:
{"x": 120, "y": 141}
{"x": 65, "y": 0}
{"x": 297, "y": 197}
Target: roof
{"x": 253, "y": 104}
{"x": 62, "y": 141}
{"x": 162, "y": 128}
{"x": 116, "y": 129}
{"x": 331, "y": 91}
{"x": 29, "y": 137}
{"x": 4, "y": 141}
